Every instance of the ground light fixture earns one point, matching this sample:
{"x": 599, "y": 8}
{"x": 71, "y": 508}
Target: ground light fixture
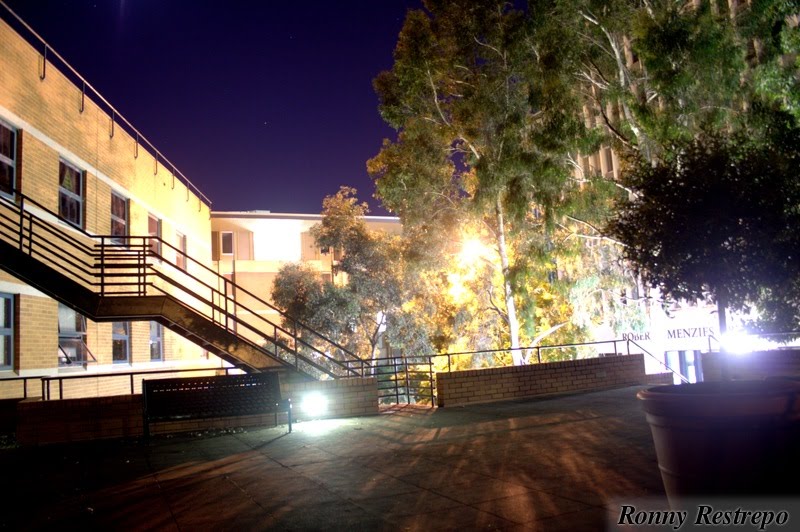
{"x": 314, "y": 405}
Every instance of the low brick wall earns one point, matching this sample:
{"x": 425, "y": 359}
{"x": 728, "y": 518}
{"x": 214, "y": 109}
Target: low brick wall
{"x": 346, "y": 397}
{"x": 78, "y": 419}
{"x": 658, "y": 379}
{"x": 498, "y": 384}
{"x": 120, "y": 416}
{"x": 756, "y": 365}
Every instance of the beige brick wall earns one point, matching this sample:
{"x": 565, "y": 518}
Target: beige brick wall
{"x": 755, "y": 365}
{"x": 498, "y": 384}
{"x": 37, "y": 317}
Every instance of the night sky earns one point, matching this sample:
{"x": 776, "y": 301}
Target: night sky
{"x": 262, "y": 104}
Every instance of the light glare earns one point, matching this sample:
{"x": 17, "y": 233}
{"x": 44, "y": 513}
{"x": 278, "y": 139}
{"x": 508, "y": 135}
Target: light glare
{"x": 315, "y": 404}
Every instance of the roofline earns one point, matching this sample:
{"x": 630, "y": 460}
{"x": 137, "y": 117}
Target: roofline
{"x": 291, "y": 216}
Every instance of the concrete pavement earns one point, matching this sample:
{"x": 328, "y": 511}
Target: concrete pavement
{"x": 559, "y": 463}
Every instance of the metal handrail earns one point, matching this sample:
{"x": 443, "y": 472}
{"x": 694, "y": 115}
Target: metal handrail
{"x": 110, "y": 260}
{"x": 24, "y": 383}
{"x": 46, "y": 380}
{"x": 678, "y": 373}
{"x": 559, "y": 346}
{"x": 537, "y": 348}
{"x": 244, "y": 291}
{"x": 115, "y": 116}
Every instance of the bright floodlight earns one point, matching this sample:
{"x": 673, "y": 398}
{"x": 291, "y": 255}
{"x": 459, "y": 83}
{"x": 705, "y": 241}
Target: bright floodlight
{"x": 315, "y": 404}
{"x": 739, "y": 343}
{"x": 471, "y": 251}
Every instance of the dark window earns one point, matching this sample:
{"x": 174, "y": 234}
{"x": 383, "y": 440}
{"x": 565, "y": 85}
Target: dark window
{"x": 119, "y": 218}
{"x": 154, "y": 230}
{"x": 156, "y": 341}
{"x": 609, "y": 154}
{"x": 120, "y": 342}
{"x": 70, "y": 194}
{"x": 227, "y": 242}
{"x": 8, "y": 150}
{"x": 71, "y": 337}
{"x": 6, "y": 331}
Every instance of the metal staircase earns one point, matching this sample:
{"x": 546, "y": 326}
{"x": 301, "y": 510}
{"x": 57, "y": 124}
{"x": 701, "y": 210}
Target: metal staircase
{"x": 129, "y": 278}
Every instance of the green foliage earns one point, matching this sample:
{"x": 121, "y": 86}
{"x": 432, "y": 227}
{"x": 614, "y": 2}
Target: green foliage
{"x": 488, "y": 100}
{"x": 719, "y": 217}
{"x": 299, "y": 291}
{"x": 480, "y": 93}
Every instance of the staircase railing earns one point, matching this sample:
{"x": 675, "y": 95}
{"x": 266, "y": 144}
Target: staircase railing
{"x": 113, "y": 266}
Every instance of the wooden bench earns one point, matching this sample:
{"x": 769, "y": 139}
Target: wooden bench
{"x": 219, "y": 396}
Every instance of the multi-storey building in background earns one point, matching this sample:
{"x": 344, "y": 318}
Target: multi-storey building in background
{"x": 250, "y": 248}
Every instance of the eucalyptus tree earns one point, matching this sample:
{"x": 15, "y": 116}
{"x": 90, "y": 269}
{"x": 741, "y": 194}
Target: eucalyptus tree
{"x": 371, "y": 260}
{"x": 661, "y": 72}
{"x": 485, "y": 121}
{"x": 301, "y": 293}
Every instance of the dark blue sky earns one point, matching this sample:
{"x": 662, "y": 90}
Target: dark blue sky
{"x": 263, "y": 104}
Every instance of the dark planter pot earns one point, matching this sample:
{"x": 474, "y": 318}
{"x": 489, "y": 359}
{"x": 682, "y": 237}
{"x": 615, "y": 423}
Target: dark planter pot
{"x": 726, "y": 438}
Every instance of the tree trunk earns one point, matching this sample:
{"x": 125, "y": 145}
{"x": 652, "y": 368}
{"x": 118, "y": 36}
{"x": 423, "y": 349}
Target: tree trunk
{"x": 722, "y": 302}
{"x": 508, "y": 292}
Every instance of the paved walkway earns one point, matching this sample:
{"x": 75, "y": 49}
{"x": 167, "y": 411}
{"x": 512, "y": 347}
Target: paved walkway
{"x": 544, "y": 464}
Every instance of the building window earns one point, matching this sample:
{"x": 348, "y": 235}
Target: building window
{"x": 119, "y": 219}
{"x": 156, "y": 341}
{"x": 70, "y": 194}
{"x": 154, "y": 231}
{"x": 121, "y": 342}
{"x": 609, "y": 159}
{"x": 227, "y": 242}
{"x": 71, "y": 337}
{"x": 6, "y": 331}
{"x": 8, "y": 167}
{"x": 180, "y": 257}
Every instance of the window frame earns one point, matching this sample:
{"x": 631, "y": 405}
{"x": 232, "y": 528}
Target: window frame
{"x": 8, "y": 332}
{"x": 154, "y": 239}
{"x": 77, "y": 337}
{"x": 80, "y": 198}
{"x": 126, "y": 221}
{"x": 12, "y": 161}
{"x": 181, "y": 259}
{"x": 156, "y": 339}
{"x": 117, "y": 337}
{"x": 222, "y": 235}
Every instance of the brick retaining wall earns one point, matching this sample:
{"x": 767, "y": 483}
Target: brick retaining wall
{"x": 38, "y": 421}
{"x": 497, "y": 384}
{"x": 755, "y": 365}
{"x": 120, "y": 416}
{"x": 658, "y": 379}
{"x": 346, "y": 397}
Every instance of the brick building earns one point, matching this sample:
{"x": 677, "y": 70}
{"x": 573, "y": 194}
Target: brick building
{"x": 65, "y": 151}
